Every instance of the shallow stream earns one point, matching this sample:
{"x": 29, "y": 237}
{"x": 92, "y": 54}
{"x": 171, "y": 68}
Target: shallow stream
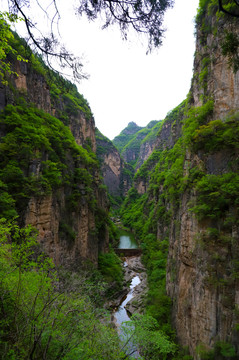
{"x": 120, "y": 315}
{"x": 127, "y": 241}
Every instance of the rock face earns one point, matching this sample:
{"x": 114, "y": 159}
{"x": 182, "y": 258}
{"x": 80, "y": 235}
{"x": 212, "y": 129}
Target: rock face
{"x": 37, "y": 91}
{"x": 126, "y": 135}
{"x": 202, "y": 279}
{"x": 145, "y": 151}
{"x": 165, "y": 135}
{"x": 69, "y": 234}
{"x": 191, "y": 188}
{"x": 217, "y": 79}
{"x": 136, "y": 144}
{"x": 116, "y": 173}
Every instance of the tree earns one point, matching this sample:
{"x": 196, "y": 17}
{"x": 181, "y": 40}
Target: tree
{"x": 229, "y": 7}
{"x": 40, "y": 317}
{"x": 143, "y": 16}
{"x": 142, "y": 334}
{"x": 5, "y": 47}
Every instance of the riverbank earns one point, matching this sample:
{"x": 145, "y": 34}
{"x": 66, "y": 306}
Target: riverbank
{"x": 132, "y": 267}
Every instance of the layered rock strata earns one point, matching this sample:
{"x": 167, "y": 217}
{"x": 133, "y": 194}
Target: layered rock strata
{"x": 69, "y": 236}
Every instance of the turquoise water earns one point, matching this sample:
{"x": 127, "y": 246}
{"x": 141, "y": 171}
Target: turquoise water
{"x": 127, "y": 241}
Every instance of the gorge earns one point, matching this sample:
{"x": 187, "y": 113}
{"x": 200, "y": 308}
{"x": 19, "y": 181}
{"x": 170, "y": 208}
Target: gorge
{"x": 174, "y": 184}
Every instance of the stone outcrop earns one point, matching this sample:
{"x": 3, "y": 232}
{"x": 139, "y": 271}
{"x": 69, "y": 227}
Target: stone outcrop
{"x": 167, "y": 135}
{"x": 196, "y": 145}
{"x": 48, "y": 215}
{"x": 117, "y": 175}
{"x": 35, "y": 88}
{"x": 136, "y": 144}
{"x": 201, "y": 278}
{"x": 69, "y": 235}
{"x": 145, "y": 151}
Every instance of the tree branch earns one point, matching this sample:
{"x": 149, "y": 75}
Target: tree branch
{"x": 221, "y": 8}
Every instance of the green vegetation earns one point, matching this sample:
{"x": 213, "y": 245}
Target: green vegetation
{"x": 130, "y": 152}
{"x": 132, "y": 137}
{"x": 44, "y": 316}
{"x": 47, "y": 315}
{"x": 230, "y": 46}
{"x": 64, "y": 95}
{"x": 75, "y": 102}
{"x": 126, "y": 135}
{"x": 168, "y": 175}
{"x": 152, "y": 134}
{"x": 104, "y": 145}
{"x": 26, "y": 170}
{"x": 104, "y": 149}
{"x": 221, "y": 350}
{"x": 38, "y": 153}
{"x": 216, "y": 195}
{"x": 217, "y": 135}
{"x": 143, "y": 333}
{"x": 111, "y": 268}
{"x": 227, "y": 39}
{"x": 6, "y": 48}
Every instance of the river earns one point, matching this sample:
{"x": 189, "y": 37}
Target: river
{"x": 131, "y": 266}
{"x": 127, "y": 241}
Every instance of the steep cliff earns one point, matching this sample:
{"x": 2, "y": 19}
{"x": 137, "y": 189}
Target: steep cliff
{"x": 187, "y": 193}
{"x": 136, "y": 144}
{"x": 126, "y": 135}
{"x": 136, "y": 150}
{"x": 203, "y": 257}
{"x": 49, "y": 171}
{"x": 148, "y": 142}
{"x": 116, "y": 173}
{"x": 121, "y": 157}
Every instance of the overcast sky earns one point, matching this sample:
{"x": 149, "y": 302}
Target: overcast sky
{"x": 125, "y": 84}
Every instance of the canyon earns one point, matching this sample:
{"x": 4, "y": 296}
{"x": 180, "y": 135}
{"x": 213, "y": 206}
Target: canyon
{"x": 175, "y": 184}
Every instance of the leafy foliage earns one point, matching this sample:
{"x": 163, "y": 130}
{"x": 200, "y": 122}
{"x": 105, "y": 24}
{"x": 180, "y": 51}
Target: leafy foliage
{"x": 222, "y": 350}
{"x": 230, "y": 47}
{"x": 111, "y": 268}
{"x": 131, "y": 150}
{"x": 131, "y": 139}
{"x": 126, "y": 135}
{"x": 216, "y": 195}
{"x": 143, "y": 333}
{"x": 167, "y": 175}
{"x": 143, "y": 17}
{"x": 6, "y": 47}
{"x": 30, "y": 134}
{"x": 40, "y": 319}
{"x": 104, "y": 145}
{"x": 64, "y": 95}
{"x": 223, "y": 10}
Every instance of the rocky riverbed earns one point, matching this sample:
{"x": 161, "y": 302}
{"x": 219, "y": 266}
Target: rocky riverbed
{"x": 132, "y": 267}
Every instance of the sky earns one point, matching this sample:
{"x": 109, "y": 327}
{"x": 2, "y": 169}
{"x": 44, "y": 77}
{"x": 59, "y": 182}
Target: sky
{"x": 124, "y": 83}
{"x": 127, "y": 85}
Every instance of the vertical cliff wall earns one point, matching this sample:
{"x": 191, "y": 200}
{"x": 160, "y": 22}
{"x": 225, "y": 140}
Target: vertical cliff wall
{"x": 186, "y": 194}
{"x": 117, "y": 175}
{"x": 136, "y": 144}
{"x": 59, "y": 190}
{"x": 202, "y": 276}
